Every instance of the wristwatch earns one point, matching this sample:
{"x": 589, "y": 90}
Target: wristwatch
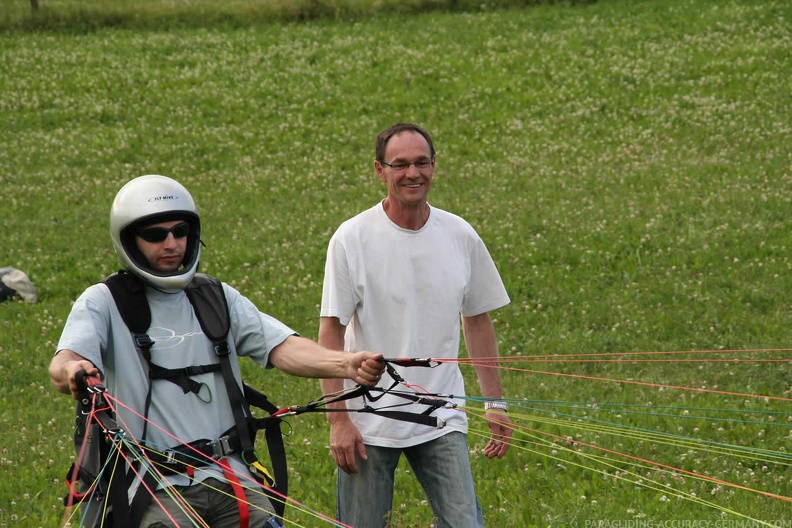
{"x": 502, "y": 405}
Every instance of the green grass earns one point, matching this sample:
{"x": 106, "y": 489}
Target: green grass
{"x": 88, "y": 15}
{"x": 627, "y": 163}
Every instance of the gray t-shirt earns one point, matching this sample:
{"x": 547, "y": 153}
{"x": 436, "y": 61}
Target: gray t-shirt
{"x": 96, "y": 331}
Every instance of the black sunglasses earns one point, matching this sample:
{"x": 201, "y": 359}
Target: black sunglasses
{"x": 158, "y": 234}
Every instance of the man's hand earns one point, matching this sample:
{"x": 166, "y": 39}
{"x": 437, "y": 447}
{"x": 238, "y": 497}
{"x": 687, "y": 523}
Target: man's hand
{"x": 500, "y": 433}
{"x": 365, "y": 368}
{"x": 63, "y": 370}
{"x": 345, "y": 444}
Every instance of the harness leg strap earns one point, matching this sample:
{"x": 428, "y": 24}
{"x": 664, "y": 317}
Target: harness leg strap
{"x": 239, "y": 492}
{"x": 118, "y": 492}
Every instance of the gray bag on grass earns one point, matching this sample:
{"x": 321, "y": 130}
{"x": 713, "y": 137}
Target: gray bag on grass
{"x": 14, "y": 281}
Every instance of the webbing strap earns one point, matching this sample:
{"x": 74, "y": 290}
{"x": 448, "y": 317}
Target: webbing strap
{"x": 239, "y": 492}
{"x": 142, "y": 498}
{"x": 118, "y": 492}
{"x": 135, "y": 310}
{"x": 210, "y": 304}
{"x": 422, "y": 419}
{"x": 277, "y": 451}
{"x": 238, "y": 406}
{"x": 182, "y": 376}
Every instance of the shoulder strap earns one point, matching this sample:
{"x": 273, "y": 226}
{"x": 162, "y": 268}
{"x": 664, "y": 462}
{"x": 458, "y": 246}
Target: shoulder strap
{"x": 130, "y": 298}
{"x": 210, "y": 305}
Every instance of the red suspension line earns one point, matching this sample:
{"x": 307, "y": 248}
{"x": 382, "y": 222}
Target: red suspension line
{"x": 628, "y": 382}
{"x": 551, "y": 359}
{"x": 507, "y": 358}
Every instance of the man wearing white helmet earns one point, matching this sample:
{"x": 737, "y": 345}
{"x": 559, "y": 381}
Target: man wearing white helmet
{"x": 156, "y": 202}
{"x": 156, "y": 231}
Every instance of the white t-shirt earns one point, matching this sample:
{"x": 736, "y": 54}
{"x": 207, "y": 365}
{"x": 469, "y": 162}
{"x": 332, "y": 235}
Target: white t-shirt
{"x": 401, "y": 292}
{"x": 96, "y": 331}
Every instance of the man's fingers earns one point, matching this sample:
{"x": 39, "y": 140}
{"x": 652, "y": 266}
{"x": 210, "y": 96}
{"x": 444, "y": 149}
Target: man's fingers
{"x": 348, "y": 462}
{"x": 344, "y": 458}
{"x": 498, "y": 443}
{"x": 370, "y": 369}
{"x": 495, "y": 449}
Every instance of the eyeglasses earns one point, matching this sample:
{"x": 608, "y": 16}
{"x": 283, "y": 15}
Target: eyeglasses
{"x": 402, "y": 166}
{"x": 159, "y": 234}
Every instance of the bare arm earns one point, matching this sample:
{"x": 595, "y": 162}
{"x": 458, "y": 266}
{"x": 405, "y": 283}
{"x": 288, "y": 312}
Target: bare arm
{"x": 299, "y": 356}
{"x": 63, "y": 368}
{"x": 481, "y": 343}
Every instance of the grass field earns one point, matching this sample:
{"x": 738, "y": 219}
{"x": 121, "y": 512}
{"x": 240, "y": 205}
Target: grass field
{"x": 627, "y": 162}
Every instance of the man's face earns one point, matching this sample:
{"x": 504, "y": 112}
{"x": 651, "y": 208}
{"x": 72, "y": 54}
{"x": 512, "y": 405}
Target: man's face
{"x": 163, "y": 244}
{"x": 407, "y": 185}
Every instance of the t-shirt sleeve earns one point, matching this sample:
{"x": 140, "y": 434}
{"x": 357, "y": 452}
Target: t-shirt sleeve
{"x": 87, "y": 327}
{"x": 338, "y": 298}
{"x": 255, "y": 334}
{"x": 486, "y": 291}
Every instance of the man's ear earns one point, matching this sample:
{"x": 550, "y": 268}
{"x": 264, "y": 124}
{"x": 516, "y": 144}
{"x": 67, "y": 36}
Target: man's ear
{"x": 380, "y": 171}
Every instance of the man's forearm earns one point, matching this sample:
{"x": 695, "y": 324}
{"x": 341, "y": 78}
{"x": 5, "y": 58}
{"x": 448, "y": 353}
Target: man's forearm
{"x": 481, "y": 342}
{"x": 302, "y": 357}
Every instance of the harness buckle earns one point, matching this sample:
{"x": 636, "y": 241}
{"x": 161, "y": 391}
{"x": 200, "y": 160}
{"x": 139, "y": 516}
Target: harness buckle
{"x": 221, "y": 348}
{"x": 143, "y": 341}
{"x": 221, "y": 447}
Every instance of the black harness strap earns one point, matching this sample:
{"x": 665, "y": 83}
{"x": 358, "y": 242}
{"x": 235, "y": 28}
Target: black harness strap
{"x": 118, "y": 483}
{"x": 210, "y": 304}
{"x": 135, "y": 309}
{"x": 208, "y": 299}
{"x": 277, "y": 451}
{"x": 206, "y": 295}
{"x": 183, "y": 376}
{"x": 431, "y": 402}
{"x": 130, "y": 298}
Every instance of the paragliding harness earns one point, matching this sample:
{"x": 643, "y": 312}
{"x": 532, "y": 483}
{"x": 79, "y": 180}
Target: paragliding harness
{"x": 210, "y": 305}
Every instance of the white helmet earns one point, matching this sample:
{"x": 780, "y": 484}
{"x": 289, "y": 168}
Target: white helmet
{"x": 149, "y": 200}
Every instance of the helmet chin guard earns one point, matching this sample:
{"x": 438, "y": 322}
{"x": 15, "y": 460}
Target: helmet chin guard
{"x": 150, "y": 200}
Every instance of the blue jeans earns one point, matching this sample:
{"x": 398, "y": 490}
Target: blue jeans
{"x": 442, "y": 467}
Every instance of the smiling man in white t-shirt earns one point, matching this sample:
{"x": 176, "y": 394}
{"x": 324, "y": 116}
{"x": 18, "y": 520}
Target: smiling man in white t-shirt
{"x": 399, "y": 278}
